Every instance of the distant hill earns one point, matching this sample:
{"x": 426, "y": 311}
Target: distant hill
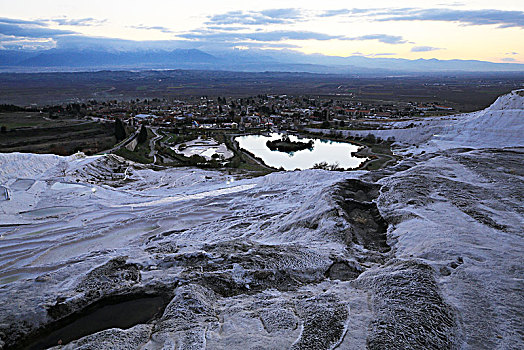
{"x": 74, "y": 59}
{"x": 102, "y": 59}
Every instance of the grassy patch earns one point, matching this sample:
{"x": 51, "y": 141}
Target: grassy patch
{"x": 14, "y": 120}
{"x": 61, "y": 136}
{"x": 141, "y": 152}
{"x": 136, "y": 156}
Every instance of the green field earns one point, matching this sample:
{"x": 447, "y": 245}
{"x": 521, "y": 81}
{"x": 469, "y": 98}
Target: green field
{"x": 32, "y": 132}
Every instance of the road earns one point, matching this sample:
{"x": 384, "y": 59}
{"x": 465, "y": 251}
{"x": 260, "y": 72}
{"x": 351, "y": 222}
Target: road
{"x": 121, "y": 143}
{"x": 152, "y": 144}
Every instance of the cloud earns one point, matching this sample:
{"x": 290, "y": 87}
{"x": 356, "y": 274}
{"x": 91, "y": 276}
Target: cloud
{"x": 14, "y": 43}
{"x": 501, "y": 18}
{"x": 333, "y": 13}
{"x": 26, "y": 30}
{"x": 272, "y": 16}
{"x": 227, "y": 28}
{"x": 340, "y": 12}
{"x": 366, "y": 12}
{"x": 452, "y": 4}
{"x": 383, "y": 38}
{"x": 290, "y": 35}
{"x": 384, "y": 54}
{"x": 218, "y": 34}
{"x": 424, "y": 48}
{"x": 272, "y": 45}
{"x": 271, "y": 36}
{"x": 31, "y": 31}
{"x": 504, "y": 19}
{"x": 84, "y": 22}
{"x": 512, "y": 53}
{"x": 289, "y": 13}
{"x": 159, "y": 28}
{"x": 37, "y": 34}
{"x": 508, "y": 59}
{"x": 22, "y": 21}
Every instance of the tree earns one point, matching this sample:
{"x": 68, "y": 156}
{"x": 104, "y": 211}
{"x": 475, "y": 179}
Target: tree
{"x": 142, "y": 135}
{"x": 120, "y": 131}
{"x": 371, "y": 138}
{"x": 3, "y": 129}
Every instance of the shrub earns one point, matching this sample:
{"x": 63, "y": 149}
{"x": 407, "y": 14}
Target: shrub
{"x": 120, "y": 131}
{"x": 142, "y": 135}
{"x": 370, "y": 138}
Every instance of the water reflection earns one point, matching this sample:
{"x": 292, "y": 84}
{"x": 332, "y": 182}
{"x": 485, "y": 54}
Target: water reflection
{"x": 331, "y": 152}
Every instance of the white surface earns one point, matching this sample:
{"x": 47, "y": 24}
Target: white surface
{"x": 443, "y": 206}
{"x": 500, "y": 125}
{"x": 204, "y": 148}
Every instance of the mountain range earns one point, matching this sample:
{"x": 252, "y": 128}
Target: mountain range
{"x": 75, "y": 59}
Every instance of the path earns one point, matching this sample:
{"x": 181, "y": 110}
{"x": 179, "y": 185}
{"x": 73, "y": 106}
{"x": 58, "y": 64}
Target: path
{"x": 152, "y": 144}
{"x": 367, "y": 151}
{"x": 122, "y": 143}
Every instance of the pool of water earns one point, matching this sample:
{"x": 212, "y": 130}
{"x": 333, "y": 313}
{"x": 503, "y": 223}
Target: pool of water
{"x": 331, "y": 152}
{"x": 58, "y": 186}
{"x": 120, "y": 314}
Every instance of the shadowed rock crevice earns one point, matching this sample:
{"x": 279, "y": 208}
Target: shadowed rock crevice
{"x": 409, "y": 312}
{"x": 344, "y": 270}
{"x": 368, "y": 227}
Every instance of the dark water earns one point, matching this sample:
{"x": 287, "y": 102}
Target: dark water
{"x": 124, "y": 314}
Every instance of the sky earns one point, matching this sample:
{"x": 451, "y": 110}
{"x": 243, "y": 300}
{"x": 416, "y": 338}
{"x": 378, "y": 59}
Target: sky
{"x": 481, "y": 30}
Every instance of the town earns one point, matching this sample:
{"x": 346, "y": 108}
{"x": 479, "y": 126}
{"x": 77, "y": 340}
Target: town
{"x": 262, "y": 111}
{"x": 201, "y": 131}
